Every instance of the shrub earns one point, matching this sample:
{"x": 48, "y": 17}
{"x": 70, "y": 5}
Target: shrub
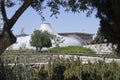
{"x": 62, "y": 69}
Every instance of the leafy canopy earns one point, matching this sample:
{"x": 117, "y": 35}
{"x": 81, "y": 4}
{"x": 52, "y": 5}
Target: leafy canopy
{"x": 40, "y": 39}
{"x": 54, "y": 5}
{"x": 109, "y": 13}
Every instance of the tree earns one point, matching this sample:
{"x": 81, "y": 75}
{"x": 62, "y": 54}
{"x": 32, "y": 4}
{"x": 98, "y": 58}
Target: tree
{"x": 6, "y": 37}
{"x": 109, "y": 14}
{"x": 99, "y": 38}
{"x": 40, "y": 39}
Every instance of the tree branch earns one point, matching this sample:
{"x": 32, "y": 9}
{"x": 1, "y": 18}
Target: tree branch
{"x": 3, "y": 11}
{"x": 18, "y": 13}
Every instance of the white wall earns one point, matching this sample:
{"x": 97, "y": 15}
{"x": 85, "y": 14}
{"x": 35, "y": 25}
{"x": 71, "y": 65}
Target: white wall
{"x": 100, "y": 48}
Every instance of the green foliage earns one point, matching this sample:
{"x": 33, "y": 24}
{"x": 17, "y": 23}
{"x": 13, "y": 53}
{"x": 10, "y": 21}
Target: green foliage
{"x": 16, "y": 72}
{"x": 108, "y": 12}
{"x": 43, "y": 74}
{"x": 75, "y": 70}
{"x": 62, "y": 69}
{"x": 56, "y": 69}
{"x": 60, "y": 50}
{"x": 71, "y": 49}
{"x": 40, "y": 39}
{"x": 99, "y": 38}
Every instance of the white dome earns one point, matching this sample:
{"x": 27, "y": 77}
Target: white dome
{"x": 24, "y": 41}
{"x": 47, "y": 27}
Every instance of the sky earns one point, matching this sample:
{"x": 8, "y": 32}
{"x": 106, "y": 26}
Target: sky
{"x": 66, "y": 22}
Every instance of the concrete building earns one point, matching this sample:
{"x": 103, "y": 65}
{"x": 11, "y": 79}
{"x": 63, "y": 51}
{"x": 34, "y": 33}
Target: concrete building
{"x": 70, "y": 38}
{"x": 86, "y": 37}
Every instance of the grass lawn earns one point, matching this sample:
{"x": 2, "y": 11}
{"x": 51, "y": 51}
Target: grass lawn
{"x": 60, "y": 50}
{"x": 71, "y": 50}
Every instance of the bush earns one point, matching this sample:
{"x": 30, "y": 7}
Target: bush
{"x": 62, "y": 69}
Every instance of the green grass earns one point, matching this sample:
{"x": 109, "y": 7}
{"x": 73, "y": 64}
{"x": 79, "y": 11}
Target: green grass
{"x": 71, "y": 49}
{"x": 20, "y": 51}
{"x": 64, "y": 50}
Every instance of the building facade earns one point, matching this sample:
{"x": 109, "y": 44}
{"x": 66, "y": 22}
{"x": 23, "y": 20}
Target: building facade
{"x": 84, "y": 36}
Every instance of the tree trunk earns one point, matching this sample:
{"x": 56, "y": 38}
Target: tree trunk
{"x": 6, "y": 39}
{"x": 40, "y": 48}
{"x": 118, "y": 50}
{"x": 36, "y": 49}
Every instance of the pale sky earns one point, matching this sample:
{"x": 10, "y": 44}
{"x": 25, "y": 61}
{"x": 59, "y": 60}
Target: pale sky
{"x": 66, "y": 22}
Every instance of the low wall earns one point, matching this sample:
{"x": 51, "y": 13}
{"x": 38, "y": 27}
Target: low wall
{"x": 100, "y": 48}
